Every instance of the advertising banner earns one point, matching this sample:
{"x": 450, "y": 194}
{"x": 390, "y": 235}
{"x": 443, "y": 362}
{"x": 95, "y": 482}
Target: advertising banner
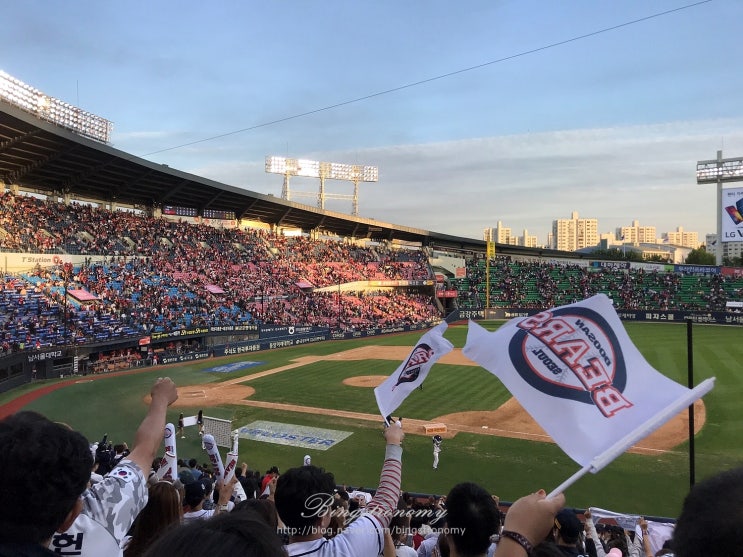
{"x": 732, "y": 215}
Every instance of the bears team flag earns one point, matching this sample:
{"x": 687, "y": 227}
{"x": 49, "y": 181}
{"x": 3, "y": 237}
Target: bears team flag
{"x": 411, "y": 373}
{"x": 575, "y": 370}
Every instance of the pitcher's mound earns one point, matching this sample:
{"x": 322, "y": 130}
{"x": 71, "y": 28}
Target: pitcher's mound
{"x": 365, "y": 380}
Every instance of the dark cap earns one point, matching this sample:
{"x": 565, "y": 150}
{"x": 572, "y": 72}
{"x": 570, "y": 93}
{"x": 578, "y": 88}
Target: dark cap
{"x": 195, "y": 493}
{"x": 569, "y": 525}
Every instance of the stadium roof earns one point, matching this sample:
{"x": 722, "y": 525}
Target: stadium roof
{"x": 43, "y": 157}
{"x": 49, "y": 159}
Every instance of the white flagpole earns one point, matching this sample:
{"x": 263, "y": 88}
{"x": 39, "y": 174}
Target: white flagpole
{"x": 640, "y": 432}
{"x": 570, "y": 481}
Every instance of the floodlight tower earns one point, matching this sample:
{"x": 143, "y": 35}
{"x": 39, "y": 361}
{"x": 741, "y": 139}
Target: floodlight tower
{"x": 324, "y": 171}
{"x": 717, "y": 171}
{"x": 53, "y": 110}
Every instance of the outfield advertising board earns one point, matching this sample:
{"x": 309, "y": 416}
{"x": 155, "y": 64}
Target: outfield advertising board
{"x": 293, "y": 435}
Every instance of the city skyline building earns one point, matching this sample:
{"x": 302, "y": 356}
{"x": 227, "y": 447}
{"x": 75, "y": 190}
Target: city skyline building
{"x": 574, "y": 233}
{"x": 502, "y": 235}
{"x": 636, "y": 234}
{"x": 681, "y": 237}
{"x": 578, "y": 233}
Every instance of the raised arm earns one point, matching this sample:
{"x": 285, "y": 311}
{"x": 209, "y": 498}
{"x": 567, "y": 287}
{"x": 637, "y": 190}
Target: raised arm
{"x": 590, "y": 528}
{"x": 385, "y": 499}
{"x": 150, "y": 432}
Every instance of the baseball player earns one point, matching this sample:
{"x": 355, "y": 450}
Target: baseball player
{"x": 436, "y": 450}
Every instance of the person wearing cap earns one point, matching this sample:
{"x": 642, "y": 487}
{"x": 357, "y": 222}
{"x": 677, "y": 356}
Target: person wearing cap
{"x": 566, "y": 533}
{"x": 197, "y": 491}
{"x": 307, "y": 460}
{"x": 436, "y": 450}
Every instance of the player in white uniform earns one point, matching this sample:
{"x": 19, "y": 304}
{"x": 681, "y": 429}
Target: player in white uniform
{"x": 436, "y": 450}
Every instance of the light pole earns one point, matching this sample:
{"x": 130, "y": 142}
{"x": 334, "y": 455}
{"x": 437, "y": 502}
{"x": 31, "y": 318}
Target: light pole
{"x": 717, "y": 171}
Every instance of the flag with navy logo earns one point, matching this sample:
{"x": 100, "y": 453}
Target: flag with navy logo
{"x": 575, "y": 370}
{"x": 412, "y": 372}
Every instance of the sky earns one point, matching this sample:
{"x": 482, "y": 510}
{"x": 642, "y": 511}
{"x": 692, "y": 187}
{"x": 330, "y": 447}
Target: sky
{"x": 475, "y": 112}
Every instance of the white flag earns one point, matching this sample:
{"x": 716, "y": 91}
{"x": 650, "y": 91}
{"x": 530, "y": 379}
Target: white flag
{"x": 411, "y": 373}
{"x": 169, "y": 443}
{"x": 576, "y": 371}
{"x": 210, "y": 445}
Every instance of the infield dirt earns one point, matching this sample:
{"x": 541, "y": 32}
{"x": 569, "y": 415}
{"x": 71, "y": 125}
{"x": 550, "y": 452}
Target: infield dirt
{"x": 509, "y": 420}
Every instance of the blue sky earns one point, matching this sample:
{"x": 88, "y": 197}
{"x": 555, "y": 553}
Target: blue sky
{"x": 610, "y": 125}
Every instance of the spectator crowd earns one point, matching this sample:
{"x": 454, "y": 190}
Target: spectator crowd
{"x": 143, "y": 274}
{"x": 537, "y": 284}
{"x": 105, "y": 499}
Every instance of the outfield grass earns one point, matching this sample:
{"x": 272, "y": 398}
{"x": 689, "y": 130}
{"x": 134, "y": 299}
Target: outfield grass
{"x": 633, "y": 483}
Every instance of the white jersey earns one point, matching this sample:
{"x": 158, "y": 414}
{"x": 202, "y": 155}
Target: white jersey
{"x": 364, "y": 537}
{"x": 109, "y": 509}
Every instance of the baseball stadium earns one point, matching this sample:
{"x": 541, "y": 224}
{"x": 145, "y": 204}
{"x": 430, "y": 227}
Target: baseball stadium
{"x": 277, "y": 320}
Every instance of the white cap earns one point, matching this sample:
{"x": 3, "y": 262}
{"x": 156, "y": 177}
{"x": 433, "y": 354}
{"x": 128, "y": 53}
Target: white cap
{"x": 307, "y": 460}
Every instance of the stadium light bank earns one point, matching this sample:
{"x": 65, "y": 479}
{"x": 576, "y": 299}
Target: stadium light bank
{"x": 44, "y": 107}
{"x": 324, "y": 171}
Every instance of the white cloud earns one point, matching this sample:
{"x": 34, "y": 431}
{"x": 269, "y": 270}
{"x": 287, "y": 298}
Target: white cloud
{"x": 526, "y": 181}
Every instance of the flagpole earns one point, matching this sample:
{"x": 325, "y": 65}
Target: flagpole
{"x": 570, "y": 481}
{"x": 690, "y": 367}
{"x": 645, "y": 429}
{"x": 640, "y": 432}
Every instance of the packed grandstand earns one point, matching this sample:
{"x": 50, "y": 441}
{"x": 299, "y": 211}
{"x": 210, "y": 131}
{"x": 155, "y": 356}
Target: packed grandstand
{"x": 139, "y": 276}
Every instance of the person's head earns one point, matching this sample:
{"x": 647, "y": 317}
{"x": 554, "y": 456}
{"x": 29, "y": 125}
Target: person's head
{"x": 400, "y": 522}
{"x": 163, "y": 509}
{"x": 46, "y": 467}
{"x": 195, "y": 494}
{"x": 225, "y": 535}
{"x": 265, "y": 508}
{"x": 192, "y": 463}
{"x": 711, "y": 517}
{"x": 303, "y": 497}
{"x": 472, "y": 517}
{"x": 567, "y": 528}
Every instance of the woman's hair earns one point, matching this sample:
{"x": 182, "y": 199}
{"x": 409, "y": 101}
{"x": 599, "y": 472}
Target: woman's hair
{"x": 400, "y": 522}
{"x": 225, "y": 535}
{"x": 163, "y": 509}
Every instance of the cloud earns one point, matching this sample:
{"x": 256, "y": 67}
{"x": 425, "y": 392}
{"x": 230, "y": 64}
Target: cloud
{"x": 617, "y": 175}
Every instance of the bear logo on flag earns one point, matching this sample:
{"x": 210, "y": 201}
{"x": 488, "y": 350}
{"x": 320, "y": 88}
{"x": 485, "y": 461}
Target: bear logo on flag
{"x": 572, "y": 353}
{"x": 412, "y": 369}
